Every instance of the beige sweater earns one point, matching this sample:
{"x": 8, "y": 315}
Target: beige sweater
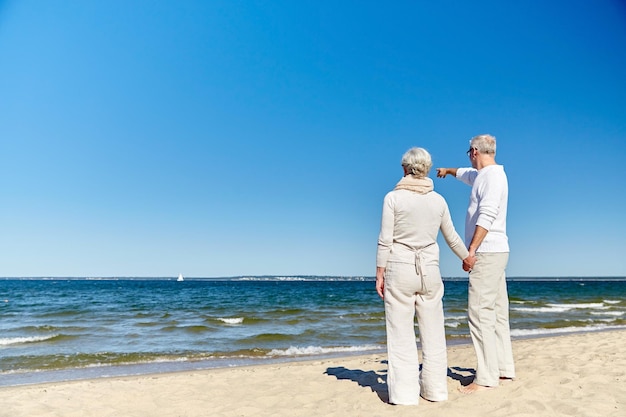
{"x": 412, "y": 216}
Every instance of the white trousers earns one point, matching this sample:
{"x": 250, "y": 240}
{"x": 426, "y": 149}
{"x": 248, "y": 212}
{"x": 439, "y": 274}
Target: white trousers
{"x": 405, "y": 299}
{"x": 488, "y": 314}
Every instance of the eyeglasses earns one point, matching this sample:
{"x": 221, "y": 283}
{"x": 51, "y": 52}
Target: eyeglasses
{"x": 469, "y": 152}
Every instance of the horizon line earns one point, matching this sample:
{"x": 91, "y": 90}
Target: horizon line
{"x": 292, "y": 277}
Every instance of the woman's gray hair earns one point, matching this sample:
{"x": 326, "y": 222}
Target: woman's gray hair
{"x": 484, "y": 144}
{"x": 417, "y": 162}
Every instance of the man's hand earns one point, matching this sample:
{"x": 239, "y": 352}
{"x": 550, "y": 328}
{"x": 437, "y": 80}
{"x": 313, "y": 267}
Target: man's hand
{"x": 442, "y": 172}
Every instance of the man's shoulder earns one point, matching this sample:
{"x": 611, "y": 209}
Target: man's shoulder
{"x": 492, "y": 171}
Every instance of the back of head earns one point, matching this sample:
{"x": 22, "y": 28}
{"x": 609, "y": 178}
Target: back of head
{"x": 485, "y": 144}
{"x": 417, "y": 162}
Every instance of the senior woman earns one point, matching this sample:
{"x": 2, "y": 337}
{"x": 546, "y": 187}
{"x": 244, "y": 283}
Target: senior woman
{"x": 409, "y": 281}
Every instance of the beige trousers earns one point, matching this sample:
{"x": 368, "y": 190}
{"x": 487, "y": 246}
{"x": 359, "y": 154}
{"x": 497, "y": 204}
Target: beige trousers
{"x": 407, "y": 296}
{"x": 488, "y": 314}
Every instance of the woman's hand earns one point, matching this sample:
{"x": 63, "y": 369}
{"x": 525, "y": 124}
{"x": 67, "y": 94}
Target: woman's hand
{"x": 380, "y": 282}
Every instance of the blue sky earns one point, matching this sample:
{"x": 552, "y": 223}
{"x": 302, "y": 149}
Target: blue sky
{"x": 226, "y": 138}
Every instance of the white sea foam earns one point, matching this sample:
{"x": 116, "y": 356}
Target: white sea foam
{"x": 453, "y": 324}
{"x": 584, "y": 305}
{"x": 560, "y": 308}
{"x": 540, "y": 309}
{"x": 318, "y": 350}
{"x": 234, "y": 320}
{"x": 20, "y": 340}
{"x": 611, "y": 301}
{"x": 541, "y": 332}
{"x": 608, "y": 313}
{"x": 601, "y": 320}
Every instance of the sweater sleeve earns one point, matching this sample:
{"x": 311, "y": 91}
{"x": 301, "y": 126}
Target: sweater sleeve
{"x": 466, "y": 175}
{"x": 385, "y": 238}
{"x": 451, "y": 236}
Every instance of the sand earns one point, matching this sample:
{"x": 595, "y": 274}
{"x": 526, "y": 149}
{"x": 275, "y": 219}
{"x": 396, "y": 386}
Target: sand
{"x": 572, "y": 375}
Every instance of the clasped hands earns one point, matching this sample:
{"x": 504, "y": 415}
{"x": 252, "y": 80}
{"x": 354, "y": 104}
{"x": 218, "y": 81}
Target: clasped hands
{"x": 469, "y": 262}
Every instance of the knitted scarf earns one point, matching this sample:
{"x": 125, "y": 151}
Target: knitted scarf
{"x": 417, "y": 185}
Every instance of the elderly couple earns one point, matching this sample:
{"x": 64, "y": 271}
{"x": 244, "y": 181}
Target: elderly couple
{"x": 409, "y": 281}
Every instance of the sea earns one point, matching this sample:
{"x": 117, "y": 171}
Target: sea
{"x": 54, "y": 329}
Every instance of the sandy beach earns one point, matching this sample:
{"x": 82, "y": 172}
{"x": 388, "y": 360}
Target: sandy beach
{"x": 571, "y": 375}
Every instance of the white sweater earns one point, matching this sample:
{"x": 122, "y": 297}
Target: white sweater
{"x": 410, "y": 223}
{"x": 487, "y": 206}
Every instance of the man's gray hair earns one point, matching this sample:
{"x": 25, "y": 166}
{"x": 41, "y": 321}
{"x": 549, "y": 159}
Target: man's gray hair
{"x": 484, "y": 144}
{"x": 417, "y": 162}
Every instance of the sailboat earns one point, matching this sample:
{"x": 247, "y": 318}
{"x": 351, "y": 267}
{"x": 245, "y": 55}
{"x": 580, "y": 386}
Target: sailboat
{"x": 180, "y": 278}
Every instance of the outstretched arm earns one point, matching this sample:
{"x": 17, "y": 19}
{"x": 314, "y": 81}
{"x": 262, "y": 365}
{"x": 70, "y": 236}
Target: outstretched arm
{"x": 442, "y": 172}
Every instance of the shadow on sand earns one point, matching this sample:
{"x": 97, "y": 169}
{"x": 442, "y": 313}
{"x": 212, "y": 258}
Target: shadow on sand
{"x": 464, "y": 375}
{"x": 377, "y": 381}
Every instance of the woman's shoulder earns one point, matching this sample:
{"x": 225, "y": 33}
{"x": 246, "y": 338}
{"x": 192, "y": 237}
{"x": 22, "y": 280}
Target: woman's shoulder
{"x": 439, "y": 200}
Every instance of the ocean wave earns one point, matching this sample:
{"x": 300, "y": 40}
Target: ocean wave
{"x": 611, "y": 301}
{"x": 318, "y": 350}
{"x": 455, "y": 318}
{"x": 560, "y": 308}
{"x": 453, "y": 324}
{"x": 55, "y": 362}
{"x": 602, "y": 320}
{"x": 544, "y": 331}
{"x": 7, "y": 341}
{"x": 540, "y": 309}
{"x": 608, "y": 313}
{"x": 272, "y": 337}
{"x": 196, "y": 329}
{"x": 598, "y": 306}
{"x": 232, "y": 320}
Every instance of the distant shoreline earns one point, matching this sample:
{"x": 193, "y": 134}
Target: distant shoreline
{"x": 295, "y": 278}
